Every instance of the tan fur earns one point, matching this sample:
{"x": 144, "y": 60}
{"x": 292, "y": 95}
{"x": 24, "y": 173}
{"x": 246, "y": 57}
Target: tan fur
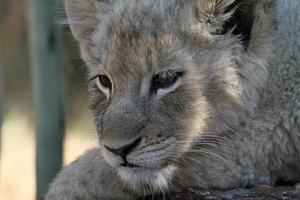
{"x": 231, "y": 119}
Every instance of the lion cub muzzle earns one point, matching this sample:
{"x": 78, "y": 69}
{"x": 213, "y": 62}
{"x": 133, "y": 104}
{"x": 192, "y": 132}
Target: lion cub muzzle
{"x": 124, "y": 151}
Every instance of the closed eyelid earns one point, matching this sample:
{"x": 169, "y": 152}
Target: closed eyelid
{"x": 93, "y": 78}
{"x": 163, "y": 91}
{"x": 165, "y": 76}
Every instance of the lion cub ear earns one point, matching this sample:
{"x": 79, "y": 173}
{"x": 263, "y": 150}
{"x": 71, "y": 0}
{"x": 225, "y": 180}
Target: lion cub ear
{"x": 84, "y": 15}
{"x": 238, "y": 16}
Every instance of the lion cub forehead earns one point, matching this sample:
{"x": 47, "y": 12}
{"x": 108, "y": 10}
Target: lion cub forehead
{"x": 136, "y": 52}
{"x": 164, "y": 41}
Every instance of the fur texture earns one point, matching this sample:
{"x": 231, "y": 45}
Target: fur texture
{"x": 230, "y": 119}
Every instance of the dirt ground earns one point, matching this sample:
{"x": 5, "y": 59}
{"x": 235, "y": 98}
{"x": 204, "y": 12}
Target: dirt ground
{"x": 258, "y": 193}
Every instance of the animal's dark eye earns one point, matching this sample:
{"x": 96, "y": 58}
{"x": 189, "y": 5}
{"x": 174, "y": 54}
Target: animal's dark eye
{"x": 104, "y": 81}
{"x": 165, "y": 79}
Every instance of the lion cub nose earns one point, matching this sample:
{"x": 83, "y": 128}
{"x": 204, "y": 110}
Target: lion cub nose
{"x": 123, "y": 151}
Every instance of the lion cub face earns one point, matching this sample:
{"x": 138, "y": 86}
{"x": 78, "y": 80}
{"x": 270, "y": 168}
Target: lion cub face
{"x": 160, "y": 81}
{"x": 148, "y": 101}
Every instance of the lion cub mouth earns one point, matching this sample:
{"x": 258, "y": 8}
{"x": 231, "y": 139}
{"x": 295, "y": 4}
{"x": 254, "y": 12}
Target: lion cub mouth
{"x": 143, "y": 164}
{"x": 130, "y": 165}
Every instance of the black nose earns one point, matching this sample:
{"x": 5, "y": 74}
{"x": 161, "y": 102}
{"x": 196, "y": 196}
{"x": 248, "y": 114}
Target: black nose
{"x": 123, "y": 151}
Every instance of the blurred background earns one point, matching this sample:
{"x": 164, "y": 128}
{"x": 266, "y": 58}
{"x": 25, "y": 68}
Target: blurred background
{"x": 18, "y": 138}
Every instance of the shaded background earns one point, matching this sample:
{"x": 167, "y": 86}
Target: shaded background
{"x": 17, "y": 165}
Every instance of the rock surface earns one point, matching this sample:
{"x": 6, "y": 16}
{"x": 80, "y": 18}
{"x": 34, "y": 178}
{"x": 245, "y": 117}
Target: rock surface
{"x": 259, "y": 193}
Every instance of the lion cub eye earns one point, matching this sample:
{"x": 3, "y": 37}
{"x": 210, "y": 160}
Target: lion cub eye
{"x": 165, "y": 81}
{"x": 104, "y": 84}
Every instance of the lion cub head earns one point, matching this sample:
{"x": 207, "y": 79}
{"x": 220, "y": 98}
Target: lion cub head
{"x": 163, "y": 74}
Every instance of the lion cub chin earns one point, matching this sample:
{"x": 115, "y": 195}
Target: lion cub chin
{"x": 156, "y": 179}
{"x": 197, "y": 93}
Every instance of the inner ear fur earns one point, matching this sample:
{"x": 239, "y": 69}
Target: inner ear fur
{"x": 242, "y": 19}
{"x": 235, "y": 16}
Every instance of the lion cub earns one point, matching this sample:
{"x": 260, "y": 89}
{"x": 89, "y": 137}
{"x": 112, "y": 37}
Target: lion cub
{"x": 186, "y": 93}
